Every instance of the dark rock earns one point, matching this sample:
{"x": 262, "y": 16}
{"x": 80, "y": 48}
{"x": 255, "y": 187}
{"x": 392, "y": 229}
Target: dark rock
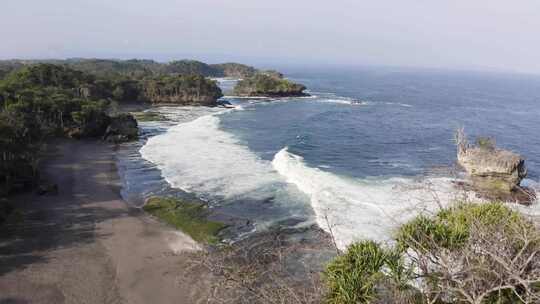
{"x": 122, "y": 128}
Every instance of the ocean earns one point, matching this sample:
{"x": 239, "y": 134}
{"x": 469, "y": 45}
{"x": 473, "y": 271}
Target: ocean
{"x": 368, "y": 150}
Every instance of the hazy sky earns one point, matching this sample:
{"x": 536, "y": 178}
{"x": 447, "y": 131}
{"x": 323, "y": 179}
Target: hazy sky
{"x": 500, "y": 34}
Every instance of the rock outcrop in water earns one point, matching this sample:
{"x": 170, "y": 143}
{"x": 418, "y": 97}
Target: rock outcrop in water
{"x": 495, "y": 173}
{"x": 268, "y": 84}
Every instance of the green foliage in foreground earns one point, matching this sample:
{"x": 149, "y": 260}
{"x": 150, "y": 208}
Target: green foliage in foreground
{"x": 352, "y": 276}
{"x": 190, "y": 217}
{"x": 450, "y": 227}
{"x": 371, "y": 273}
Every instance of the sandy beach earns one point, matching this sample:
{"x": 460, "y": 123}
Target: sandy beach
{"x": 86, "y": 245}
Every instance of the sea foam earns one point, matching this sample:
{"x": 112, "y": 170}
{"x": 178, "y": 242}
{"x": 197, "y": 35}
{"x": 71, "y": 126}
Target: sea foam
{"x": 198, "y": 157}
{"x": 353, "y": 209}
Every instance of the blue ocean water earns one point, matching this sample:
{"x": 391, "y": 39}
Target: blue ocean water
{"x": 378, "y": 122}
{"x": 356, "y": 155}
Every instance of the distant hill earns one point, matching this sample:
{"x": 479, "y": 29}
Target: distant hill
{"x": 138, "y": 68}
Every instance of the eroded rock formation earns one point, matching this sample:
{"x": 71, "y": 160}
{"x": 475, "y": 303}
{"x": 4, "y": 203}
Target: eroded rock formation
{"x": 495, "y": 173}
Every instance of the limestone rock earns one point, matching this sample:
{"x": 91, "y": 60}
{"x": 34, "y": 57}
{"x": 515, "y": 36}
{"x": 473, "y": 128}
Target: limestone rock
{"x": 496, "y": 169}
{"x": 495, "y": 173}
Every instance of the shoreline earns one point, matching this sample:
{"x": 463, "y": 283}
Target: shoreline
{"x": 121, "y": 254}
{"x": 88, "y": 245}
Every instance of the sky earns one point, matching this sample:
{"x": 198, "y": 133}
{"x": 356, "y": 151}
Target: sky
{"x": 458, "y": 34}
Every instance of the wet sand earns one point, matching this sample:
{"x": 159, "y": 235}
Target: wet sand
{"x": 86, "y": 245}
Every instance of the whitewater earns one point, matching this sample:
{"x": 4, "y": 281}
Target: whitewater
{"x": 358, "y": 162}
{"x": 198, "y": 157}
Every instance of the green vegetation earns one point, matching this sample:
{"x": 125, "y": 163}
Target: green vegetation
{"x": 268, "y": 84}
{"x": 189, "y": 89}
{"x": 40, "y": 101}
{"x": 470, "y": 253}
{"x": 73, "y": 98}
{"x": 110, "y": 69}
{"x": 352, "y": 277}
{"x": 138, "y": 69}
{"x": 234, "y": 70}
{"x": 190, "y": 217}
{"x": 193, "y": 67}
{"x": 450, "y": 228}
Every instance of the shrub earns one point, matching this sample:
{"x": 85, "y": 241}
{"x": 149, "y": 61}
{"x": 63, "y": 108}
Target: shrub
{"x": 352, "y": 277}
{"x": 469, "y": 253}
{"x": 450, "y": 228}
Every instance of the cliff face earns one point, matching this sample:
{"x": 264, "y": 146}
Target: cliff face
{"x": 268, "y": 84}
{"x": 182, "y": 90}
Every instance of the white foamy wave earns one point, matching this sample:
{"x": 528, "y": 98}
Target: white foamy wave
{"x": 345, "y": 101}
{"x": 199, "y": 157}
{"x": 355, "y": 209}
{"x": 406, "y": 105}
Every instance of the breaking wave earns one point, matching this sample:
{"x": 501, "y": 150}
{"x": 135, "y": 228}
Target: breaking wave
{"x": 199, "y": 157}
{"x": 353, "y": 209}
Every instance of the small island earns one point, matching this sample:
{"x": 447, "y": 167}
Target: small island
{"x": 268, "y": 84}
